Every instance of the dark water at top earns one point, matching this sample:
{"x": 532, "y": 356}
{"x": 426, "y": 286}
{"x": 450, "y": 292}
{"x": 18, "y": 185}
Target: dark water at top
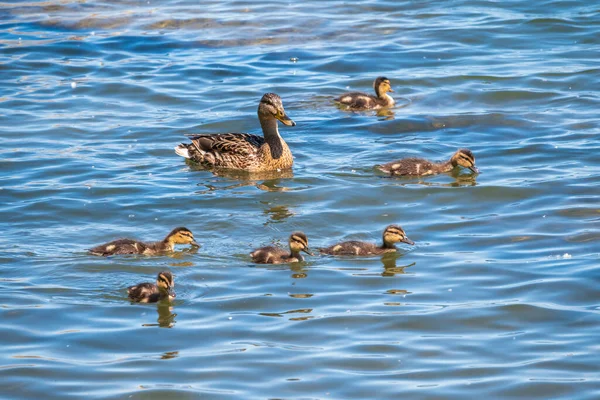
{"x": 499, "y": 298}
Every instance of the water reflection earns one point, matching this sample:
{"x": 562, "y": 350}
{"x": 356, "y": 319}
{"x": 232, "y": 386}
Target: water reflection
{"x": 271, "y": 180}
{"x": 169, "y": 354}
{"x": 276, "y": 213}
{"x": 293, "y": 312}
{"x": 298, "y": 271}
{"x": 166, "y": 316}
{"x": 389, "y": 265}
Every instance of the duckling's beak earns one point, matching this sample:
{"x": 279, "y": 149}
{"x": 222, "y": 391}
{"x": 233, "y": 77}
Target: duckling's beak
{"x": 408, "y": 241}
{"x": 307, "y": 251}
{"x": 474, "y": 169}
{"x": 194, "y": 243}
{"x": 285, "y": 119}
{"x": 391, "y": 90}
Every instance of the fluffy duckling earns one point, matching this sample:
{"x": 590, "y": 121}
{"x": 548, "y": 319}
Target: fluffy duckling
{"x": 422, "y": 167}
{"x": 274, "y": 255}
{"x": 179, "y": 235}
{"x": 150, "y": 293}
{"x": 364, "y": 101}
{"x": 243, "y": 151}
{"x": 391, "y": 235}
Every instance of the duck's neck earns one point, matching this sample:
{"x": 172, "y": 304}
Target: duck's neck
{"x": 387, "y": 245}
{"x": 166, "y": 245}
{"x": 386, "y": 99}
{"x": 445, "y": 166}
{"x": 296, "y": 255}
{"x": 272, "y": 137}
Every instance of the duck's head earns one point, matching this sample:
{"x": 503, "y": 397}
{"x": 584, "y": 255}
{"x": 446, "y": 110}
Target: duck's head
{"x": 165, "y": 283}
{"x": 270, "y": 106}
{"x": 299, "y": 242}
{"x": 464, "y": 158}
{"x": 382, "y": 85}
{"x": 394, "y": 234}
{"x": 182, "y": 235}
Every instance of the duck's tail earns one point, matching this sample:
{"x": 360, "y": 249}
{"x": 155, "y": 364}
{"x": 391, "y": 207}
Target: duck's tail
{"x": 183, "y": 151}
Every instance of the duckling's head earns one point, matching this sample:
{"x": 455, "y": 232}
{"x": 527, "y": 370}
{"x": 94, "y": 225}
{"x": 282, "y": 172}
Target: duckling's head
{"x": 165, "y": 283}
{"x": 299, "y": 242}
{"x": 394, "y": 234}
{"x": 270, "y": 106}
{"x": 464, "y": 158}
{"x": 382, "y": 85}
{"x": 181, "y": 235}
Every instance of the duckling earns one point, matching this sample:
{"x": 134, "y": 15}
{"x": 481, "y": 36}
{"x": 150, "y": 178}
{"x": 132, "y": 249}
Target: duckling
{"x": 422, "y": 167}
{"x": 179, "y": 235}
{"x": 243, "y": 151}
{"x": 274, "y": 255}
{"x": 150, "y": 293}
{"x": 391, "y": 235}
{"x": 364, "y": 101}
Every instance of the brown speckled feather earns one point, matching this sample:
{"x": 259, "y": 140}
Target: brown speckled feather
{"x": 121, "y": 246}
{"x": 144, "y": 292}
{"x": 414, "y": 166}
{"x": 355, "y": 248}
{"x": 273, "y": 255}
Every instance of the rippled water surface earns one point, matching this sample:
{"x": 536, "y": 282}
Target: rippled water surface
{"x": 498, "y": 298}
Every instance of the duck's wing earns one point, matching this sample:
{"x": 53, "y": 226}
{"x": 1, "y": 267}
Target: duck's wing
{"x": 119, "y": 246}
{"x": 268, "y": 255}
{"x": 142, "y": 291}
{"x": 357, "y": 100}
{"x": 226, "y": 150}
{"x": 349, "y": 248}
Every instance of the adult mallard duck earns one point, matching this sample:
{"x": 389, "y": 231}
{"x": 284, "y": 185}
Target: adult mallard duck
{"x": 391, "y": 235}
{"x": 364, "y": 101}
{"x": 130, "y": 246}
{"x": 422, "y": 167}
{"x": 243, "y": 151}
{"x": 151, "y": 293}
{"x": 275, "y": 255}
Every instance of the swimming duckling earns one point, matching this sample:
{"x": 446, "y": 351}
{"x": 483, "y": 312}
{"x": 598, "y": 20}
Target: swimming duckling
{"x": 364, "y": 101}
{"x": 275, "y": 255}
{"x": 179, "y": 235}
{"x": 150, "y": 293}
{"x": 244, "y": 151}
{"x": 391, "y": 235}
{"x": 422, "y": 167}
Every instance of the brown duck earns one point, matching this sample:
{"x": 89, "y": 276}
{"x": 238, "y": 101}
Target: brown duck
{"x": 364, "y": 101}
{"x": 243, "y": 151}
{"x": 391, "y": 235}
{"x": 130, "y": 246}
{"x": 422, "y": 167}
{"x": 150, "y": 293}
{"x": 275, "y": 255}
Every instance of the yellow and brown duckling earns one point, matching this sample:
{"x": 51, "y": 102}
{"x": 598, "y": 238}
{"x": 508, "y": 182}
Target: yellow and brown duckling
{"x": 179, "y": 235}
{"x": 243, "y": 151}
{"x": 151, "y": 293}
{"x": 275, "y": 255}
{"x": 391, "y": 235}
{"x": 364, "y": 101}
{"x": 421, "y": 167}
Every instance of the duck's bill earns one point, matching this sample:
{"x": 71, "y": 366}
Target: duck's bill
{"x": 194, "y": 243}
{"x": 408, "y": 241}
{"x": 307, "y": 251}
{"x": 286, "y": 120}
{"x": 474, "y": 169}
{"x": 391, "y": 90}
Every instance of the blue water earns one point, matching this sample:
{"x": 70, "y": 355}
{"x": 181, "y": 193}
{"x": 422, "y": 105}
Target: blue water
{"x": 498, "y": 298}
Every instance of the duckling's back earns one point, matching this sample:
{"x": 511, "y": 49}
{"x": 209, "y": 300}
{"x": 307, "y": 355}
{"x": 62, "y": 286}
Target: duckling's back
{"x": 269, "y": 255}
{"x": 409, "y": 166}
{"x": 144, "y": 292}
{"x": 352, "y": 248}
{"x": 120, "y": 246}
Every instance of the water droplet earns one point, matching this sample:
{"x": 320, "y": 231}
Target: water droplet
{"x": 230, "y": 318}
{"x": 449, "y": 290}
{"x": 73, "y": 85}
{"x": 294, "y": 59}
